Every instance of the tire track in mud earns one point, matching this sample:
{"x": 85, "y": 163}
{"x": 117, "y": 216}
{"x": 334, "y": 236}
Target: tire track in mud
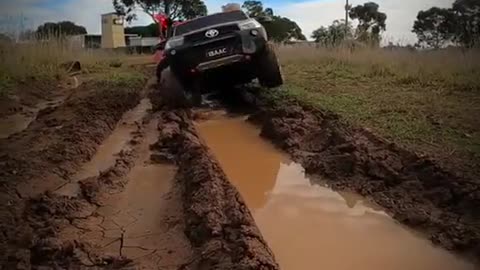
{"x": 45, "y": 155}
{"x": 190, "y": 219}
{"x": 109, "y": 215}
{"x": 137, "y": 219}
{"x": 218, "y": 223}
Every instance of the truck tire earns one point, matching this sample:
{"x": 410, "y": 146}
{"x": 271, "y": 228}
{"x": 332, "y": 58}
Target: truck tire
{"x": 269, "y": 71}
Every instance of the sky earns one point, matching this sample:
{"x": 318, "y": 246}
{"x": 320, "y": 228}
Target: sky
{"x": 309, "y": 14}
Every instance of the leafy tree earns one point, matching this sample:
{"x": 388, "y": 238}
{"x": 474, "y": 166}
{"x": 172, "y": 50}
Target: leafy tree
{"x": 255, "y": 9}
{"x": 334, "y": 34}
{"x": 66, "y": 28}
{"x": 434, "y": 27}
{"x": 174, "y": 9}
{"x": 371, "y": 21}
{"x": 466, "y": 22}
{"x": 321, "y": 35}
{"x": 279, "y": 28}
{"x": 460, "y": 24}
{"x": 283, "y": 29}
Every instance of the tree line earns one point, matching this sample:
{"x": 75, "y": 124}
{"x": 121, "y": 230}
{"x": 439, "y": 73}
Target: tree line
{"x": 436, "y": 27}
{"x": 458, "y": 25}
{"x": 279, "y": 28}
{"x": 371, "y": 23}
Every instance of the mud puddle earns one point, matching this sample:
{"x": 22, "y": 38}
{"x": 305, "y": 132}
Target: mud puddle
{"x": 108, "y": 151}
{"x": 309, "y": 226}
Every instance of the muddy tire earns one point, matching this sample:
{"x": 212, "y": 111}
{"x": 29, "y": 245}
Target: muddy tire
{"x": 269, "y": 72}
{"x": 171, "y": 92}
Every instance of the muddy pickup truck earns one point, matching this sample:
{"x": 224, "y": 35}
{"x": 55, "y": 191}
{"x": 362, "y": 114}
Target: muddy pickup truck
{"x": 218, "y": 51}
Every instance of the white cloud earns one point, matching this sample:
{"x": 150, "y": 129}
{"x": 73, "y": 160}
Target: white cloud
{"x": 400, "y": 15}
{"x": 309, "y": 15}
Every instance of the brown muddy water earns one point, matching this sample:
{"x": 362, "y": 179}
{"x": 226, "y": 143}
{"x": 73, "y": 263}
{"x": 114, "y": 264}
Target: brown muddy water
{"x": 308, "y": 225}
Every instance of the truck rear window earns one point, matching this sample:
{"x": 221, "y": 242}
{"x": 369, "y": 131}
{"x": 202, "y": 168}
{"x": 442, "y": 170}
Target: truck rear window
{"x": 202, "y": 22}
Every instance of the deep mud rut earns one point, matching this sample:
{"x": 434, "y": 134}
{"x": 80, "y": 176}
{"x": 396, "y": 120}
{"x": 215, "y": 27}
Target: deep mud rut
{"x": 307, "y": 224}
{"x": 104, "y": 181}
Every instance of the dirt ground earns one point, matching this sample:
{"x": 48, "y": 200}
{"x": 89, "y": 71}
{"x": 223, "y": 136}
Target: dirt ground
{"x": 44, "y": 156}
{"x": 105, "y": 179}
{"x": 98, "y": 181}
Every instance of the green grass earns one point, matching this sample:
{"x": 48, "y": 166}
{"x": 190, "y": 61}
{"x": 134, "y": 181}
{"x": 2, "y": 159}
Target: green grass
{"x": 428, "y": 101}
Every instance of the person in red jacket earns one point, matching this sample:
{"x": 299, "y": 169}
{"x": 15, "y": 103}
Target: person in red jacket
{"x": 164, "y": 25}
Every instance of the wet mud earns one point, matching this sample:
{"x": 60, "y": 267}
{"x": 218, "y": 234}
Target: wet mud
{"x": 101, "y": 181}
{"x": 139, "y": 217}
{"x": 117, "y": 146}
{"x": 44, "y": 156}
{"x": 412, "y": 189}
{"x": 218, "y": 222}
{"x": 306, "y": 223}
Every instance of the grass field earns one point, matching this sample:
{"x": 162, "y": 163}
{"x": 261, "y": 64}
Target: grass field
{"x": 428, "y": 101}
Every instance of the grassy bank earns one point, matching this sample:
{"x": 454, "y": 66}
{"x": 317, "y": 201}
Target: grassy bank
{"x": 428, "y": 101}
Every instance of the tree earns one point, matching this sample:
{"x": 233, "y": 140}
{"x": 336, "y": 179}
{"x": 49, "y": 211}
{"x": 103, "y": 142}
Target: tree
{"x": 279, "y": 29}
{"x": 283, "y": 29}
{"x": 460, "y": 24}
{"x": 334, "y": 34}
{"x": 66, "y": 28}
{"x": 174, "y": 9}
{"x": 466, "y": 21}
{"x": 254, "y": 9}
{"x": 371, "y": 21}
{"x": 434, "y": 27}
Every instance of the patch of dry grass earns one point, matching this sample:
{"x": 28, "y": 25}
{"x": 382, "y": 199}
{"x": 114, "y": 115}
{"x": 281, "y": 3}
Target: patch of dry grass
{"x": 42, "y": 60}
{"x": 428, "y": 101}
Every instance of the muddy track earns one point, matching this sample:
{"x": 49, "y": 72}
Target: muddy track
{"x": 218, "y": 223}
{"x": 57, "y": 212}
{"x": 414, "y": 190}
{"x": 160, "y": 200}
{"x": 45, "y": 155}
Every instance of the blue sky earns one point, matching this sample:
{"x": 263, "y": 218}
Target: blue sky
{"x": 309, "y": 14}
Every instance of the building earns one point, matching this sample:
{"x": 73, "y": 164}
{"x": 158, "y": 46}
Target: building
{"x": 113, "y": 37}
{"x": 113, "y": 32}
